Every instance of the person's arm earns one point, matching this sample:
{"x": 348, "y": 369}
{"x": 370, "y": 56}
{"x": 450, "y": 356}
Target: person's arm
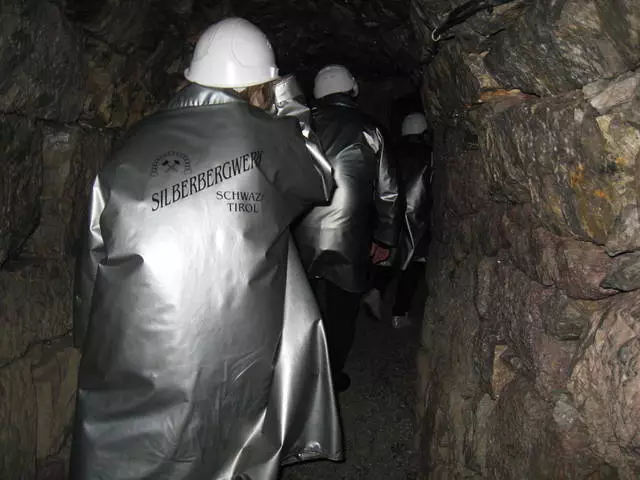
{"x": 388, "y": 204}
{"x": 289, "y": 101}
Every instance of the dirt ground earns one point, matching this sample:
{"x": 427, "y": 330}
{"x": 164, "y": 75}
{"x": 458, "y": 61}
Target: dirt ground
{"x": 378, "y": 410}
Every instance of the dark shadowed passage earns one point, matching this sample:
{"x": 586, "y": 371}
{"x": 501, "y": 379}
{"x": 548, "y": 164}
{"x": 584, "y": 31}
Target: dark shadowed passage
{"x": 377, "y": 411}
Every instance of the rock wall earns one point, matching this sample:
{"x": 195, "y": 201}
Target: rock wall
{"x": 73, "y": 75}
{"x": 531, "y": 338}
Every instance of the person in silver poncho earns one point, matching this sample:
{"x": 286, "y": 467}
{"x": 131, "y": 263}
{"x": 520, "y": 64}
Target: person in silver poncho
{"x": 203, "y": 352}
{"x": 338, "y": 241}
{"x": 408, "y": 260}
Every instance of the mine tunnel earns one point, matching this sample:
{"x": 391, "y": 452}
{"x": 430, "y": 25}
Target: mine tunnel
{"x": 524, "y": 363}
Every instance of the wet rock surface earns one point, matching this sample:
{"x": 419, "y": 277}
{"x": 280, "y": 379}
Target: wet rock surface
{"x": 605, "y": 384}
{"x": 20, "y": 184}
{"x": 532, "y": 375}
{"x": 46, "y": 314}
{"x": 38, "y": 392}
{"x": 70, "y": 82}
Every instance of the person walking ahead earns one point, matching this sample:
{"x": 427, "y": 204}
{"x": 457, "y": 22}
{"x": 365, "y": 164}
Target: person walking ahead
{"x": 339, "y": 241}
{"x": 414, "y": 161}
{"x": 203, "y": 353}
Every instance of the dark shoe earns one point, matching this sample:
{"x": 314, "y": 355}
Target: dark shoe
{"x": 341, "y": 382}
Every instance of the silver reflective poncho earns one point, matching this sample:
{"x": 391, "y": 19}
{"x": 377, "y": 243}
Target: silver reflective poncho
{"x": 413, "y": 157}
{"x": 335, "y": 240}
{"x": 204, "y": 356}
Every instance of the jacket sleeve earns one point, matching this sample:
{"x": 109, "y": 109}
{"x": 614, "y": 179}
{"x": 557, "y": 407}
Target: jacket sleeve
{"x": 92, "y": 254}
{"x": 289, "y": 101}
{"x": 388, "y": 205}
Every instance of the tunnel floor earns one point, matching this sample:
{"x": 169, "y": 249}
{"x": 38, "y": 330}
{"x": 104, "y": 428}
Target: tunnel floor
{"x": 378, "y": 409}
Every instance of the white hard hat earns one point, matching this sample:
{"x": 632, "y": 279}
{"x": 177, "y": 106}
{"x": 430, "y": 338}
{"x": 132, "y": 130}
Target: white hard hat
{"x": 414, "y": 124}
{"x": 230, "y": 54}
{"x": 334, "y": 79}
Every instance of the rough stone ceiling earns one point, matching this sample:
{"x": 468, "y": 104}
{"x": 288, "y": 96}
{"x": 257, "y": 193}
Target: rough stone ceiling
{"x": 375, "y": 38}
{"x": 370, "y": 36}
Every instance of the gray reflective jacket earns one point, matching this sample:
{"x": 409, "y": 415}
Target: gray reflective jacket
{"x": 204, "y": 356}
{"x": 413, "y": 158}
{"x": 335, "y": 240}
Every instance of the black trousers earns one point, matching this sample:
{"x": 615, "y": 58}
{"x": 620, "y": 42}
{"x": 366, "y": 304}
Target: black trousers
{"x": 339, "y": 309}
{"x": 407, "y": 284}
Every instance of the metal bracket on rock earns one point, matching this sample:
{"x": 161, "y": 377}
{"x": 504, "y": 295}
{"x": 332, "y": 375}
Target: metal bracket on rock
{"x": 464, "y": 12}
